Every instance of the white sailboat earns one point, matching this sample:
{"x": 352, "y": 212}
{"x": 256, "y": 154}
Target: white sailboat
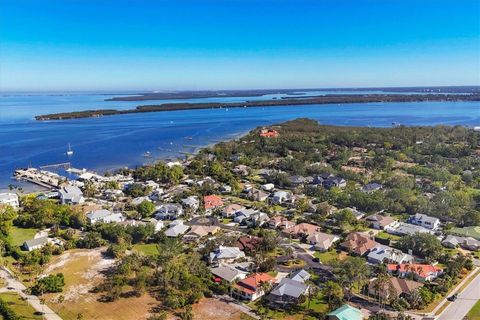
{"x": 69, "y": 150}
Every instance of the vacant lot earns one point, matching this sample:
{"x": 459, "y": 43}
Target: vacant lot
{"x": 83, "y": 271}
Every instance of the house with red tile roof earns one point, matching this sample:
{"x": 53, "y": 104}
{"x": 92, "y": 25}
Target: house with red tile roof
{"x": 250, "y": 288}
{"x": 269, "y": 133}
{"x": 211, "y": 202}
{"x": 422, "y": 272}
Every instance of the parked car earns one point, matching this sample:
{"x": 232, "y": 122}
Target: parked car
{"x": 453, "y": 297}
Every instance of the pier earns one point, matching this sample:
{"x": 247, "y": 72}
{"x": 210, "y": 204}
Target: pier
{"x": 65, "y": 165}
{"x": 42, "y": 178}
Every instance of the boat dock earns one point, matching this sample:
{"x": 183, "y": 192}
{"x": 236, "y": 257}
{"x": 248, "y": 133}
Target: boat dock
{"x": 42, "y": 178}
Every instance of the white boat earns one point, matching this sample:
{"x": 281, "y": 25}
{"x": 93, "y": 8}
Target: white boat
{"x": 69, "y": 150}
{"x": 147, "y": 154}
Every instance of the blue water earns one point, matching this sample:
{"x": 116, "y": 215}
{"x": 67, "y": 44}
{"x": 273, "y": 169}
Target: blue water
{"x": 116, "y": 141}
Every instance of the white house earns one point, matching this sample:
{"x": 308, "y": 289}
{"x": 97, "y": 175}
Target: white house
{"x": 34, "y": 244}
{"x": 176, "y": 229}
{"x": 168, "y": 211}
{"x": 268, "y": 186}
{"x": 191, "y": 203}
{"x": 226, "y": 254}
{"x": 322, "y": 241}
{"x": 281, "y": 196}
{"x": 10, "y": 199}
{"x": 425, "y": 221}
{"x": 104, "y": 216}
{"x": 381, "y": 254}
{"x": 71, "y": 195}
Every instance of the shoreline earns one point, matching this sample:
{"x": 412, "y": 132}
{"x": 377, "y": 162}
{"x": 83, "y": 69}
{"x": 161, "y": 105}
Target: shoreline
{"x": 327, "y": 99}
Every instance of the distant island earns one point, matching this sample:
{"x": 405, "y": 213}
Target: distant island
{"x": 327, "y": 99}
{"x": 191, "y": 94}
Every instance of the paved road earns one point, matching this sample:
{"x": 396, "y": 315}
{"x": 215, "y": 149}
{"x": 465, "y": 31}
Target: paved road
{"x": 465, "y": 301}
{"x": 18, "y": 287}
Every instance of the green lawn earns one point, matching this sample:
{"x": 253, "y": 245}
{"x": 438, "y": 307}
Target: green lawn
{"x": 474, "y": 313}
{"x": 326, "y": 257}
{"x": 385, "y": 235}
{"x": 148, "y": 249}
{"x": 19, "y": 306}
{"x": 19, "y": 235}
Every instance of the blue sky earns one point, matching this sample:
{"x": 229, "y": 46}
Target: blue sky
{"x": 215, "y": 44}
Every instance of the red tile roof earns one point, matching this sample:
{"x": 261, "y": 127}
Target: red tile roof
{"x": 422, "y": 270}
{"x": 252, "y": 282}
{"x": 212, "y": 201}
{"x": 269, "y": 133}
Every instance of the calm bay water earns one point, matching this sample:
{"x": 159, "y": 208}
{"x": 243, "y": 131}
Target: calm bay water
{"x": 116, "y": 141}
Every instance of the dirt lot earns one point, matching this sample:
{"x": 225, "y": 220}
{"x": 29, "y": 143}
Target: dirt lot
{"x": 82, "y": 271}
{"x": 213, "y": 309}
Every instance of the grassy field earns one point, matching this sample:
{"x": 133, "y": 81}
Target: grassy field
{"x": 148, "y": 249}
{"x": 19, "y": 235}
{"x": 19, "y": 306}
{"x": 474, "y": 313}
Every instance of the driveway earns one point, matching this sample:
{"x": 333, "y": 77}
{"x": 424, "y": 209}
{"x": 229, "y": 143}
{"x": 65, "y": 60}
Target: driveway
{"x": 34, "y": 301}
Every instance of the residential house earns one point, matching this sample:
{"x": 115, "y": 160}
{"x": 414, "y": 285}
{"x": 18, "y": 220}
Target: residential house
{"x": 301, "y": 230}
{"x": 226, "y": 189}
{"x": 176, "y": 228}
{"x": 402, "y": 229}
{"x": 472, "y": 231}
{"x": 231, "y": 209}
{"x": 139, "y": 200}
{"x": 157, "y": 224}
{"x": 268, "y": 187}
{"x": 300, "y": 275}
{"x": 242, "y": 215}
{"x": 280, "y": 223}
{"x": 384, "y": 254}
{"x": 71, "y": 195}
{"x": 421, "y": 272}
{"x": 467, "y": 243}
{"x": 251, "y": 288}
{"x": 10, "y": 199}
{"x": 424, "y": 221}
{"x": 399, "y": 287}
{"x": 380, "y": 222}
{"x": 191, "y": 203}
{"x": 36, "y": 243}
{"x": 337, "y": 182}
{"x": 357, "y": 213}
{"x": 105, "y": 216}
{"x": 358, "y": 244}
{"x": 269, "y": 133}
{"x": 226, "y": 255}
{"x": 322, "y": 241}
{"x": 198, "y": 231}
{"x": 168, "y": 211}
{"x": 257, "y": 219}
{"x": 297, "y": 180}
{"x": 248, "y": 244}
{"x": 258, "y": 195}
{"x": 212, "y": 202}
{"x": 287, "y": 293}
{"x": 345, "y": 312}
{"x": 281, "y": 196}
{"x": 228, "y": 272}
{"x": 371, "y": 187}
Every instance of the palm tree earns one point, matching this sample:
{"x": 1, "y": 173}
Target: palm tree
{"x": 334, "y": 293}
